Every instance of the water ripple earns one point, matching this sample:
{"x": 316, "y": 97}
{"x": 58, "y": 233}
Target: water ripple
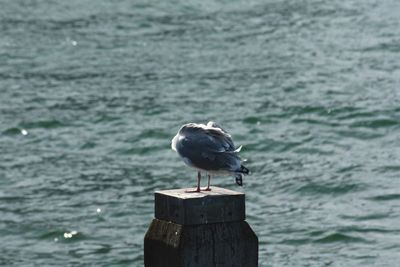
{"x": 90, "y": 100}
{"x": 341, "y": 238}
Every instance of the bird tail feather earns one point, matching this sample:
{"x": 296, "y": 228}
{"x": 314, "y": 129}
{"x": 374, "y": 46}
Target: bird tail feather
{"x": 244, "y": 170}
{"x": 239, "y": 175}
{"x": 238, "y": 149}
{"x": 239, "y": 179}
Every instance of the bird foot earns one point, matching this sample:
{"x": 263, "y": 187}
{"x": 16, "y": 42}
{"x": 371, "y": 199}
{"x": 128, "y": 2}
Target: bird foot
{"x": 198, "y": 190}
{"x": 193, "y": 191}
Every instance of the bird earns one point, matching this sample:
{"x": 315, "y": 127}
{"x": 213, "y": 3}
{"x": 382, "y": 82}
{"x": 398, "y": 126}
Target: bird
{"x": 209, "y": 148}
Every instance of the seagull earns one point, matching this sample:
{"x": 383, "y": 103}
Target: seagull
{"x": 210, "y": 149}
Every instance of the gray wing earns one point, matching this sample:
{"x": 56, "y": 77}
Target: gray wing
{"x": 209, "y": 149}
{"x": 219, "y": 140}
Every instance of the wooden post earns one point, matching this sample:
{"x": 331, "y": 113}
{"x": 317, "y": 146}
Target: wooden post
{"x": 206, "y": 229}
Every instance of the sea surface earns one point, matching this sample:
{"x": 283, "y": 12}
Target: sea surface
{"x": 92, "y": 92}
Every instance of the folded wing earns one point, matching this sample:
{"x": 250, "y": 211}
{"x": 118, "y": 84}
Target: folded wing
{"x": 209, "y": 148}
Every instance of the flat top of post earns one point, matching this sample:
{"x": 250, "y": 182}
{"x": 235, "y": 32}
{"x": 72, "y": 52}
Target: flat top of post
{"x": 189, "y": 208}
{"x": 182, "y": 194}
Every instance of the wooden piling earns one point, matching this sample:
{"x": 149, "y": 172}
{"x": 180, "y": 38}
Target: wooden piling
{"x": 206, "y": 229}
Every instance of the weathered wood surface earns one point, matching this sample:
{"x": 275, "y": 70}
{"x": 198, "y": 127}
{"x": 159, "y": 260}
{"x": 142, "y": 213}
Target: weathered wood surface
{"x": 217, "y": 205}
{"x": 206, "y": 229}
{"x": 232, "y": 244}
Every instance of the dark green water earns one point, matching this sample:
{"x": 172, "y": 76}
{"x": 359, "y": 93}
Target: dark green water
{"x": 91, "y": 92}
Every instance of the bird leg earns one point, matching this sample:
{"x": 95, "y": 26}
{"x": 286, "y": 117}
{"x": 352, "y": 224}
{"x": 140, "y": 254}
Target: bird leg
{"x": 198, "y": 181}
{"x": 198, "y": 184}
{"x": 208, "y": 185}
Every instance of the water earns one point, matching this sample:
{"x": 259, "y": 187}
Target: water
{"x": 92, "y": 93}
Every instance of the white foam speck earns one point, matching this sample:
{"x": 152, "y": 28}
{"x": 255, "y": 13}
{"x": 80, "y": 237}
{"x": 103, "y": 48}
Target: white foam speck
{"x": 67, "y": 235}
